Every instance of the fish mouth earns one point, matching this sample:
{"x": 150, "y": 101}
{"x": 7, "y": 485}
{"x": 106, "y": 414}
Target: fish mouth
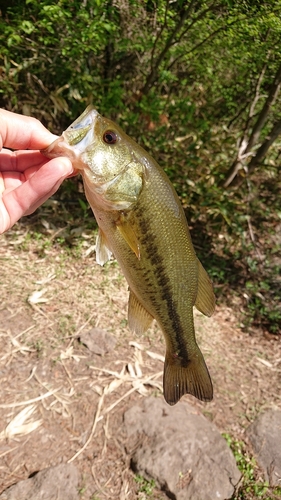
{"x": 80, "y": 134}
{"x": 75, "y": 139}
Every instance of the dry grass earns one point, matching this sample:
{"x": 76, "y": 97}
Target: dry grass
{"x": 60, "y": 403}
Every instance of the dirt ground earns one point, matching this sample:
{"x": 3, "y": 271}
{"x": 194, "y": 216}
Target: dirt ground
{"x": 61, "y": 403}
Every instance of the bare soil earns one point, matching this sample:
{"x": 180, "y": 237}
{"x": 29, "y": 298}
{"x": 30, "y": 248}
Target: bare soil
{"x": 74, "y": 400}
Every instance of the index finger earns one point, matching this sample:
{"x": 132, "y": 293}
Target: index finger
{"x": 19, "y": 161}
{"x": 23, "y": 132}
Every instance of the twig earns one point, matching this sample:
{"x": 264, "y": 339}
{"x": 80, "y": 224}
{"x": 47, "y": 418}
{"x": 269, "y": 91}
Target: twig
{"x": 96, "y": 419}
{"x": 24, "y": 331}
{"x": 100, "y": 488}
{"x": 135, "y": 388}
{"x": 58, "y": 398}
{"x": 29, "y": 401}
{"x": 83, "y": 326}
{"x": 8, "y": 451}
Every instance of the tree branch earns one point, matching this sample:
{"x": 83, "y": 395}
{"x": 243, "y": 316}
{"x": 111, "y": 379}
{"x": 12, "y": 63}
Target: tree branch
{"x": 237, "y": 180}
{"x": 159, "y": 34}
{"x": 155, "y": 65}
{"x": 246, "y": 145}
{"x": 261, "y": 152}
{"x": 262, "y": 118}
{"x": 171, "y": 41}
{"x": 209, "y": 37}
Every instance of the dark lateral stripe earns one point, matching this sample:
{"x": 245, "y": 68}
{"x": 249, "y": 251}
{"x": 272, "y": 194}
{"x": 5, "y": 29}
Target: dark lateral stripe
{"x": 147, "y": 240}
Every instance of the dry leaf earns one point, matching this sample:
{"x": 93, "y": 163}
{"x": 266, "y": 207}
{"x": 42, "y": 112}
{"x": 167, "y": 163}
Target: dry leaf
{"x": 36, "y": 297}
{"x": 113, "y": 386}
{"x": 137, "y": 345}
{"x": 155, "y": 355}
{"x": 68, "y": 354}
{"x": 131, "y": 370}
{"x": 48, "y": 278}
{"x": 21, "y": 424}
{"x": 264, "y": 362}
{"x": 138, "y": 369}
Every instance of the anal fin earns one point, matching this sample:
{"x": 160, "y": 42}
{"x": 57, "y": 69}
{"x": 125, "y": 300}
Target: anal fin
{"x": 139, "y": 319}
{"x": 205, "y": 300}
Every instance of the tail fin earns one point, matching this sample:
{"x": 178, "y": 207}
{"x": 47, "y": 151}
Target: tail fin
{"x": 192, "y": 379}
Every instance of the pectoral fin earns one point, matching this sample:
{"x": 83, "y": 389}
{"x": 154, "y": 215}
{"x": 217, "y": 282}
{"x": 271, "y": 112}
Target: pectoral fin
{"x": 139, "y": 318}
{"x": 129, "y": 235}
{"x": 205, "y": 300}
{"x": 103, "y": 254}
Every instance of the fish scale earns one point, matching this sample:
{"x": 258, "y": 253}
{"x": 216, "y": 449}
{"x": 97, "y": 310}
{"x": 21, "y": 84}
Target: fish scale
{"x": 141, "y": 221}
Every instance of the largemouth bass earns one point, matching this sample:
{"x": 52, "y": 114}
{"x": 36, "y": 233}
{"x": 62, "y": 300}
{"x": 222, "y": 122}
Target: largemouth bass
{"x": 141, "y": 221}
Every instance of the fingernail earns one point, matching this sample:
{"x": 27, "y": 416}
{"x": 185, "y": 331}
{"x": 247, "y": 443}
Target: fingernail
{"x": 67, "y": 165}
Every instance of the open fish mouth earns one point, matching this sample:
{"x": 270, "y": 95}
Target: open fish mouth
{"x": 80, "y": 134}
{"x": 77, "y": 138}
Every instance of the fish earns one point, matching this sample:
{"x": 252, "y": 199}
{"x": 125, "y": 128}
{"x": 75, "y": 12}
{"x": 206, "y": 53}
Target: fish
{"x": 143, "y": 225}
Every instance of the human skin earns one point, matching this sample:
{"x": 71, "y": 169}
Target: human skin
{"x": 27, "y": 178}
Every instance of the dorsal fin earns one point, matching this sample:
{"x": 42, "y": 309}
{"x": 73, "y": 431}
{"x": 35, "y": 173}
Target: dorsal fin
{"x": 205, "y": 300}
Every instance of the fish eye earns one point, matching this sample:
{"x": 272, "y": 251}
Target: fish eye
{"x": 109, "y": 137}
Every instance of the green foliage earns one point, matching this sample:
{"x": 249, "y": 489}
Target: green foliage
{"x": 251, "y": 486}
{"x": 187, "y": 80}
{"x": 145, "y": 486}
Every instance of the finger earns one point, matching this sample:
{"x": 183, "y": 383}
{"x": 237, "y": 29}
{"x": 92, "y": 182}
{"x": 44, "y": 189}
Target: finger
{"x": 44, "y": 198}
{"x": 32, "y": 193}
{"x": 18, "y": 161}
{"x": 10, "y": 181}
{"x": 23, "y": 132}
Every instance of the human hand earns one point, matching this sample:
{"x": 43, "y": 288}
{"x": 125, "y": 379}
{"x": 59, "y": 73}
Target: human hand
{"x": 27, "y": 178}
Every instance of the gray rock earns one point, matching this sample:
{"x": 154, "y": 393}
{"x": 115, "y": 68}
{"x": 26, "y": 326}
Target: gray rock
{"x": 265, "y": 437}
{"x": 54, "y": 483}
{"x": 181, "y": 450}
{"x": 98, "y": 341}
